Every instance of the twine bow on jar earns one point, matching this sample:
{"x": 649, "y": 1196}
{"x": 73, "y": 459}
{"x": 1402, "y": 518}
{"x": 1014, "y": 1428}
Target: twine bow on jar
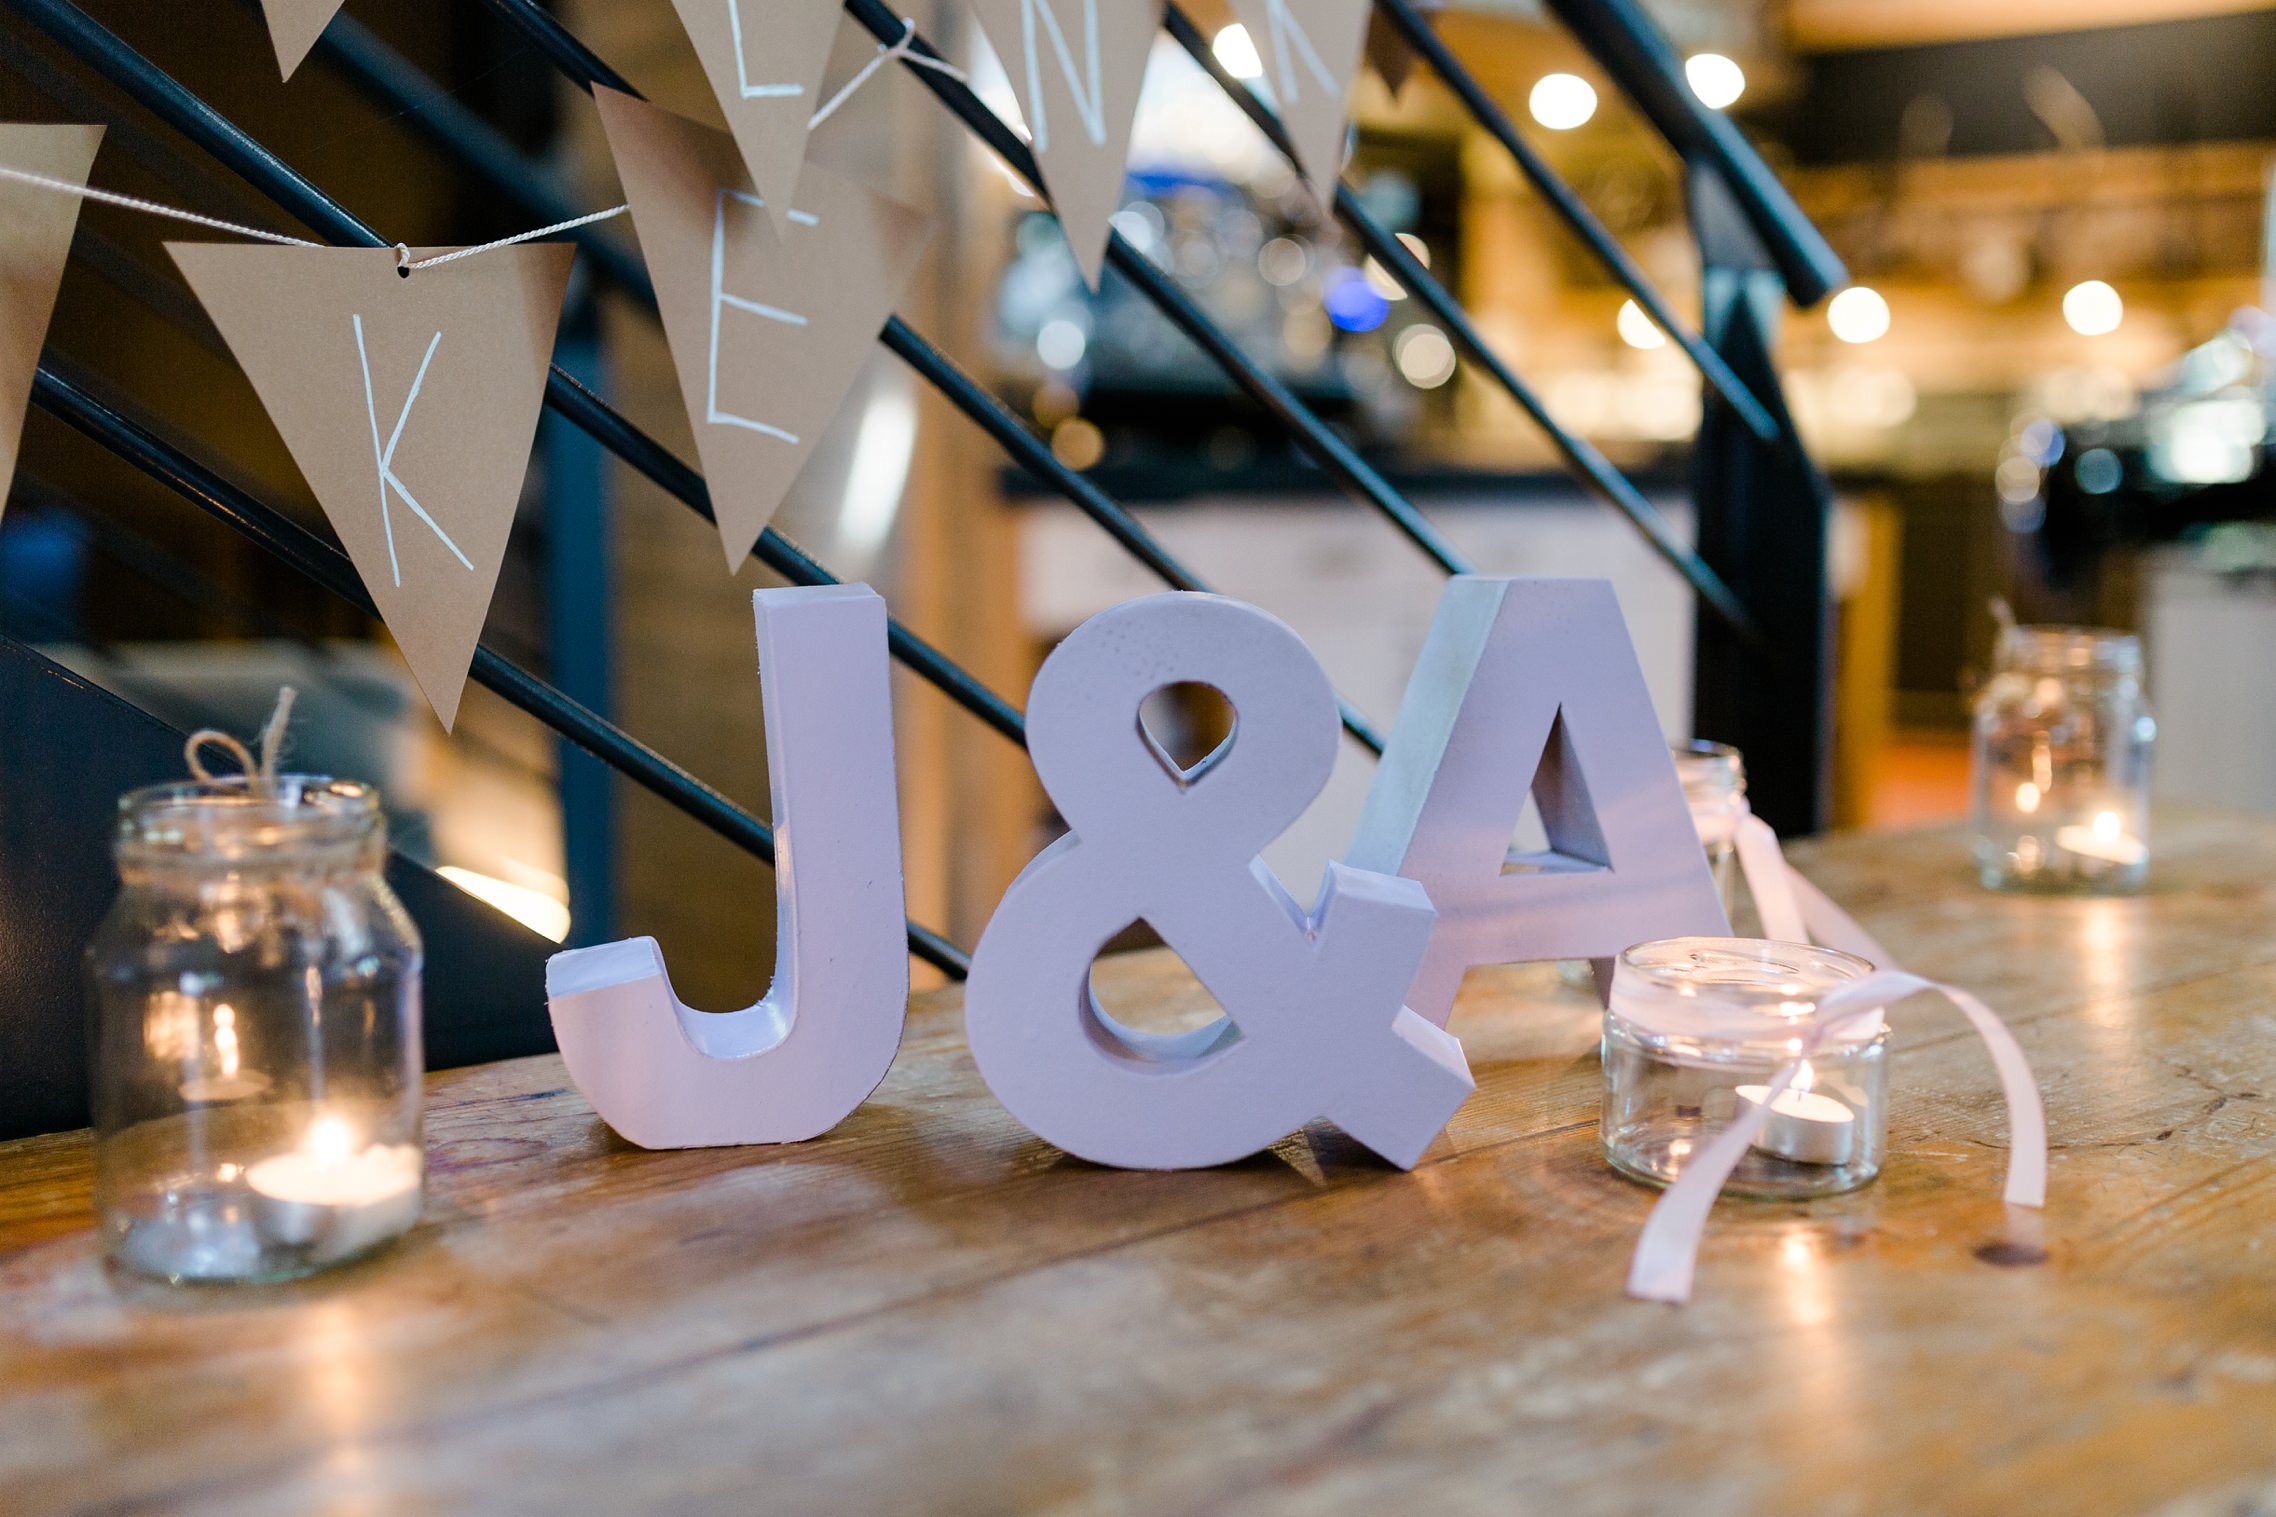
{"x": 259, "y": 775}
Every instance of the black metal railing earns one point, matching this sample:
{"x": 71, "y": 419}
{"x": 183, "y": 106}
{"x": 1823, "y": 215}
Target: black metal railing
{"x": 1753, "y": 239}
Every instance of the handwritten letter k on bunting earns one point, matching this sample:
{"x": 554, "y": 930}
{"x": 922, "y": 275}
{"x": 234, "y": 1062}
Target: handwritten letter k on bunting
{"x": 409, "y": 404}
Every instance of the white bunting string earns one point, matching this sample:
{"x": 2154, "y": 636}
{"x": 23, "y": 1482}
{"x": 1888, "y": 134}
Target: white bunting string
{"x": 903, "y": 50}
{"x": 1668, "y": 1252}
{"x": 406, "y": 263}
{"x": 151, "y": 207}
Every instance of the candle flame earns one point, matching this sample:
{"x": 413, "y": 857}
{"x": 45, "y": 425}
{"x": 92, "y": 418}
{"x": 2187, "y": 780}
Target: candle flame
{"x": 2027, "y": 797}
{"x": 330, "y": 1138}
{"x": 1804, "y": 1078}
{"x": 2106, "y": 826}
{"x": 225, "y": 1039}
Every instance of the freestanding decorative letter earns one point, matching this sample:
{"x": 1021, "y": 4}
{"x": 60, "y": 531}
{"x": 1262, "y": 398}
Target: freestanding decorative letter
{"x": 1313, "y": 1025}
{"x": 796, "y": 1064}
{"x": 1532, "y": 683}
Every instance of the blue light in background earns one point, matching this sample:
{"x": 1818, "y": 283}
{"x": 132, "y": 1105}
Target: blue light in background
{"x": 1352, "y": 303}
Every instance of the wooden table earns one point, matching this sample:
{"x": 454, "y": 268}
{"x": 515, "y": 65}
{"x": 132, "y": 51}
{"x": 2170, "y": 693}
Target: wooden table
{"x": 930, "y": 1310}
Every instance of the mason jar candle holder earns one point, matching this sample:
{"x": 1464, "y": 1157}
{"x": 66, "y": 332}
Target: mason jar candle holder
{"x": 1697, "y": 1029}
{"x": 2062, "y": 739}
{"x": 1714, "y": 779}
{"x": 254, "y": 1006}
{"x": 1715, "y": 786}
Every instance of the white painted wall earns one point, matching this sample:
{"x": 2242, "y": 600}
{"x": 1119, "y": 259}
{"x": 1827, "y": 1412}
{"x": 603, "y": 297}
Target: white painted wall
{"x": 2212, "y": 682}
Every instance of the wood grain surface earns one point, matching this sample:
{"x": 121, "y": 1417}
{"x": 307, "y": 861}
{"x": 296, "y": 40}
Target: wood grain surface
{"x": 930, "y": 1310}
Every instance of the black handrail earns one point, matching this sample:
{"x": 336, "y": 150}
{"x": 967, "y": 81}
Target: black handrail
{"x": 1415, "y": 29}
{"x": 1581, "y": 456}
{"x": 71, "y": 398}
{"x": 1640, "y": 60}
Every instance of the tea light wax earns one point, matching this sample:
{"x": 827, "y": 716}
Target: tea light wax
{"x": 2105, "y": 840}
{"x": 1802, "y": 1125}
{"x": 333, "y": 1195}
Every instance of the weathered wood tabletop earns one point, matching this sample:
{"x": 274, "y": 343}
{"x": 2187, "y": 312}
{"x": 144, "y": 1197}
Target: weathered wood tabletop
{"x": 930, "y": 1310}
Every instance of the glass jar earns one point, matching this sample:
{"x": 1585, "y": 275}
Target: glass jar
{"x": 1714, "y": 781}
{"x": 2061, "y": 754}
{"x": 254, "y": 1014}
{"x": 1715, "y": 784}
{"x": 1696, "y": 1026}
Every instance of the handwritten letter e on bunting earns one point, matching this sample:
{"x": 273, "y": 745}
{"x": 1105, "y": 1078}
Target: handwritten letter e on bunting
{"x": 767, "y": 332}
{"x": 1532, "y": 684}
{"x": 797, "y": 1063}
{"x": 409, "y": 404}
{"x": 1313, "y": 1025}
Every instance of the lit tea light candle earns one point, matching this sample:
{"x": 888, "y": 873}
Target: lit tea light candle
{"x": 2105, "y": 840}
{"x": 230, "y": 1080}
{"x": 332, "y": 1195}
{"x": 1802, "y": 1125}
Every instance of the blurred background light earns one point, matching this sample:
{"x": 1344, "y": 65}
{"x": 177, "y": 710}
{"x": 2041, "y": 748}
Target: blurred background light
{"x": 1352, "y": 303}
{"x": 1715, "y": 79}
{"x": 1636, "y": 329}
{"x": 1077, "y": 443}
{"x": 2093, "y": 308}
{"x": 1060, "y": 343}
{"x": 1858, "y": 314}
{"x": 1425, "y": 357}
{"x": 1561, "y": 102}
{"x": 537, "y": 910}
{"x": 1237, "y": 52}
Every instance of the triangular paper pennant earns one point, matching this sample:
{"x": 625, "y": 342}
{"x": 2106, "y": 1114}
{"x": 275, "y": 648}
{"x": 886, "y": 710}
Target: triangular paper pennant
{"x": 35, "y": 239}
{"x": 764, "y": 59}
{"x": 1311, "y": 49}
{"x": 410, "y": 405}
{"x": 294, "y": 26}
{"x": 1388, "y": 51}
{"x": 1076, "y": 66}
{"x": 768, "y": 333}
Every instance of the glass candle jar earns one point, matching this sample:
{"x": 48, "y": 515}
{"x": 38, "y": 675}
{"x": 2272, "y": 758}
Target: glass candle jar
{"x": 1715, "y": 784}
{"x": 254, "y": 1006}
{"x": 2062, "y": 742}
{"x": 1698, "y": 1027}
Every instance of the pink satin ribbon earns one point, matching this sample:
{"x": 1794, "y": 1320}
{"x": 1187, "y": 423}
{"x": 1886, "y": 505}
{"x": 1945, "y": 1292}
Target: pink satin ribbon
{"x": 1667, "y": 1253}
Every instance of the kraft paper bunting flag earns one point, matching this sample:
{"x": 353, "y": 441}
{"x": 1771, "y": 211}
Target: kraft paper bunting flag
{"x": 764, "y": 59}
{"x": 1076, "y": 66}
{"x": 768, "y": 331}
{"x": 1311, "y": 50}
{"x": 35, "y": 240}
{"x": 410, "y": 405}
{"x": 294, "y": 26}
{"x": 1388, "y": 51}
